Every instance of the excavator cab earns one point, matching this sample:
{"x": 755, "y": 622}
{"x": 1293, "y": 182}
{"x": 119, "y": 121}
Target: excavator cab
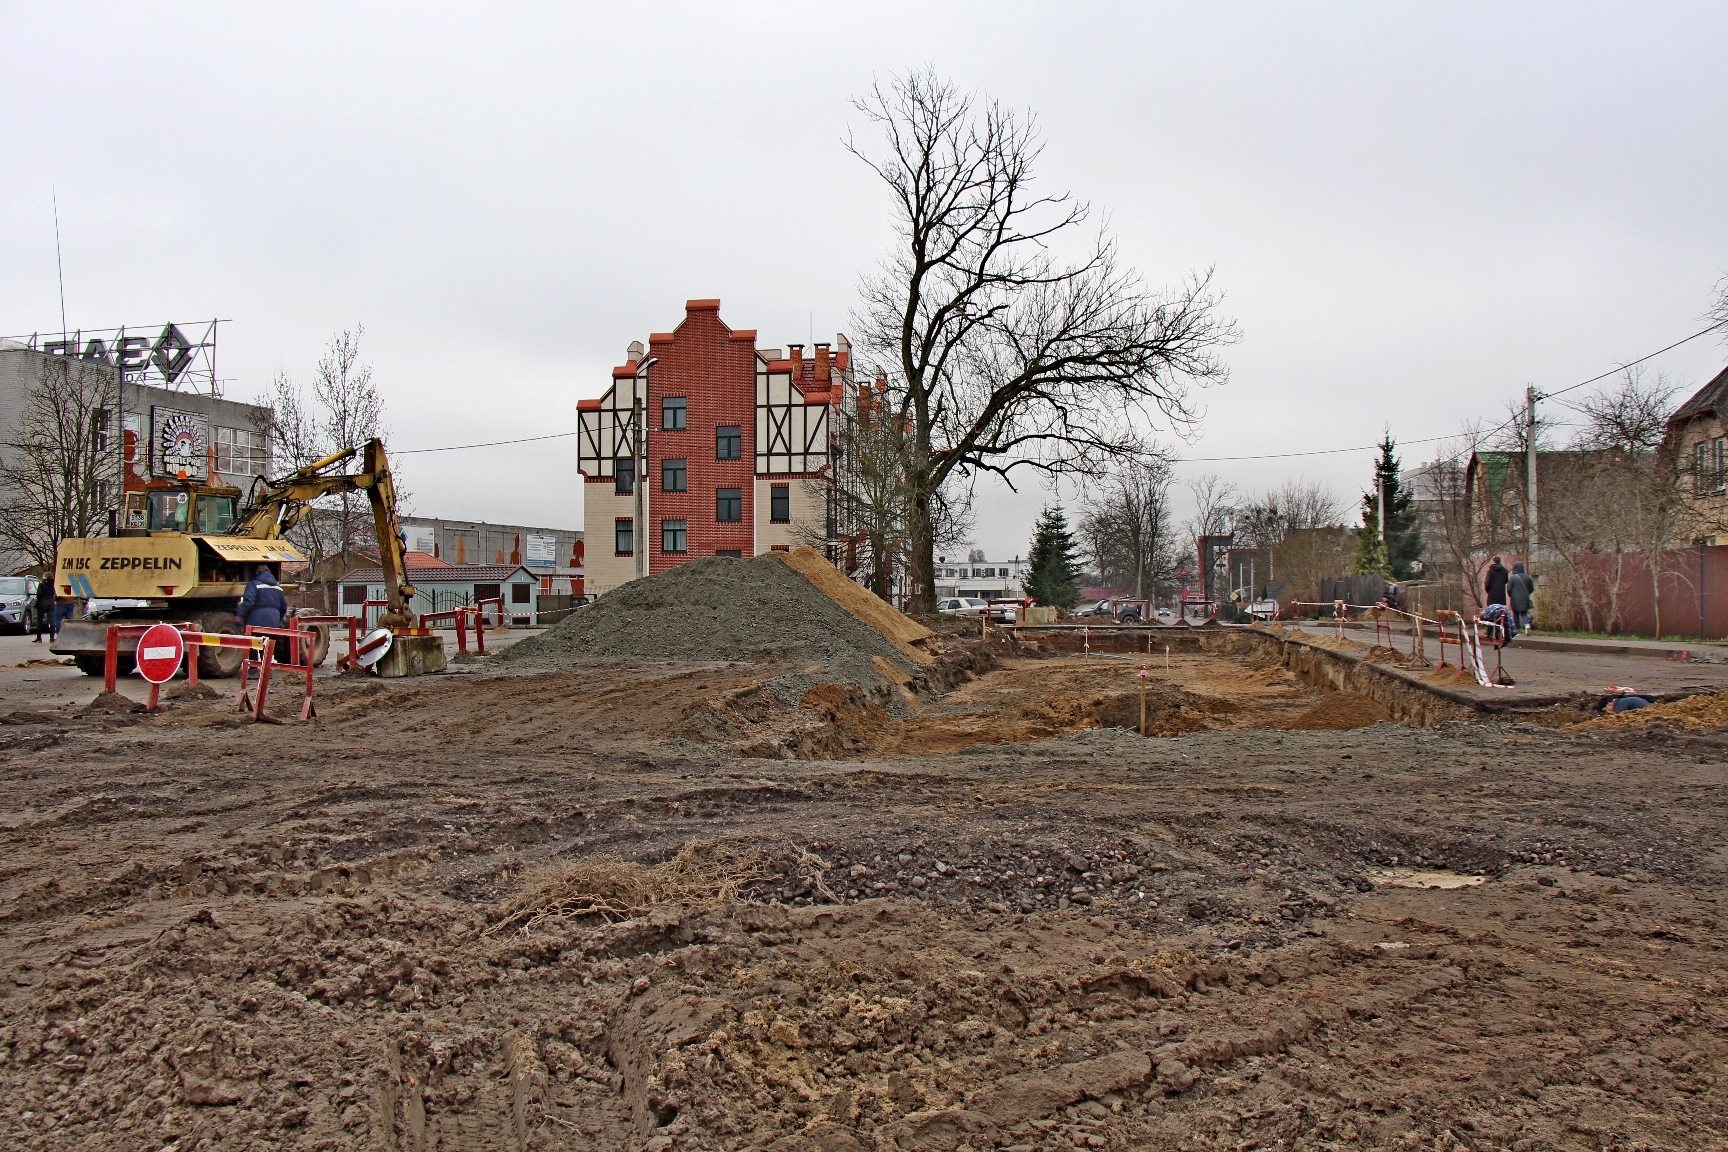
{"x": 188, "y": 508}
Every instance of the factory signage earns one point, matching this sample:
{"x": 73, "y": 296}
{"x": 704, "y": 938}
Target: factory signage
{"x": 169, "y": 351}
{"x": 540, "y": 551}
{"x": 181, "y": 443}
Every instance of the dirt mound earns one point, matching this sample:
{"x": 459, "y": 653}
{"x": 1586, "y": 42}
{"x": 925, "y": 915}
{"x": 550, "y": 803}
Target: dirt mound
{"x": 760, "y": 610}
{"x": 868, "y": 607}
{"x": 1695, "y": 712}
{"x": 1340, "y": 711}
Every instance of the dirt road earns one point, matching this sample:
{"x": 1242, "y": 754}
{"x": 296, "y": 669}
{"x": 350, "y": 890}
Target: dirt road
{"x": 556, "y": 911}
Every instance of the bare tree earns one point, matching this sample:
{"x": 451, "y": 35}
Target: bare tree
{"x": 1296, "y": 505}
{"x": 61, "y": 467}
{"x": 343, "y": 410}
{"x": 1631, "y": 416}
{"x": 1718, "y": 313}
{"x": 872, "y": 501}
{"x": 1006, "y": 354}
{"x": 1127, "y": 526}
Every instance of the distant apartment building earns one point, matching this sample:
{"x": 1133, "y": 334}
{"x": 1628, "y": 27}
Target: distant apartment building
{"x": 730, "y": 444}
{"x": 976, "y": 576}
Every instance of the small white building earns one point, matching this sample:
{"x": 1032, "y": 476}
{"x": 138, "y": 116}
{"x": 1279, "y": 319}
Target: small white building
{"x": 979, "y": 577}
{"x": 442, "y": 587}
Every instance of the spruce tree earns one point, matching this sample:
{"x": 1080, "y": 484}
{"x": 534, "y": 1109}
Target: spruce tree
{"x": 1396, "y": 556}
{"x": 1053, "y": 575}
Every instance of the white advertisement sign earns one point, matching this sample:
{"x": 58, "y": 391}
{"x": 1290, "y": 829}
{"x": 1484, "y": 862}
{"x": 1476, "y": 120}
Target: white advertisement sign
{"x": 540, "y": 551}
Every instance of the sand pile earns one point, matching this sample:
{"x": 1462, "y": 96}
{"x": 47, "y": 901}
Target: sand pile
{"x": 760, "y": 610}
{"x": 1340, "y": 711}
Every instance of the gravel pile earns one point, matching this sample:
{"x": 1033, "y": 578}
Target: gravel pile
{"x": 758, "y": 610}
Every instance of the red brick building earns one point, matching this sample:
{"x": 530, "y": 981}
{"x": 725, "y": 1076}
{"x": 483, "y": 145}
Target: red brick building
{"x": 735, "y": 448}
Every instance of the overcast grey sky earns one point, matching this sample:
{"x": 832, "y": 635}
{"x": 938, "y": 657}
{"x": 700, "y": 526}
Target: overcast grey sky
{"x": 1414, "y": 210}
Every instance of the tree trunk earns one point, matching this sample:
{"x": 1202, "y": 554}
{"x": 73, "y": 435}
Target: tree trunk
{"x": 923, "y": 558}
{"x": 1655, "y": 563}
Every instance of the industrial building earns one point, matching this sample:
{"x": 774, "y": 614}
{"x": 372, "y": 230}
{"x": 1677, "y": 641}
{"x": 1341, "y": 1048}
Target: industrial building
{"x": 553, "y": 555}
{"x": 976, "y": 576}
{"x": 176, "y": 423}
{"x": 439, "y": 587}
{"x": 706, "y": 445}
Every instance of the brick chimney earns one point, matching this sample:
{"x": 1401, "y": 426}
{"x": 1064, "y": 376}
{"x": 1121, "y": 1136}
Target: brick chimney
{"x": 821, "y": 363}
{"x": 795, "y": 354}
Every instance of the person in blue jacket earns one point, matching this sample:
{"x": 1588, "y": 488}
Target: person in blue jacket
{"x": 264, "y": 605}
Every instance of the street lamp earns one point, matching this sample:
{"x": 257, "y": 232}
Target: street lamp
{"x": 639, "y": 463}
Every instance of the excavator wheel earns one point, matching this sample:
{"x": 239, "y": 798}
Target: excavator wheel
{"x": 321, "y": 645}
{"x": 220, "y": 663}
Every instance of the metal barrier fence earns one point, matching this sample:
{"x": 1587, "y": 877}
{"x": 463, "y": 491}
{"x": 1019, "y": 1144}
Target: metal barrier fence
{"x": 1468, "y": 636}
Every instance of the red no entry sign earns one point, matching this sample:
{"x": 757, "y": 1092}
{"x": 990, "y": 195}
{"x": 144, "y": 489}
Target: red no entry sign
{"x": 159, "y": 653}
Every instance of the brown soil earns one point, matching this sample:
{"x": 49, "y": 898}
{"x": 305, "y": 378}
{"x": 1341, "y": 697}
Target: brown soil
{"x": 1340, "y": 712}
{"x": 1695, "y": 712}
{"x": 653, "y": 905}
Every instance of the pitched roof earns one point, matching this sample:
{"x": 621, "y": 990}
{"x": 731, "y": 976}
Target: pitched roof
{"x": 1708, "y": 400}
{"x": 442, "y": 574}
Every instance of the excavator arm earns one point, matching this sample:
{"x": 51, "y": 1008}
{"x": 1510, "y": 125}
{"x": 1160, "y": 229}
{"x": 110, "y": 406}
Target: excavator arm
{"x": 275, "y": 506}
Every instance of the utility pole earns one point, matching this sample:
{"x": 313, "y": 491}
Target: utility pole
{"x": 1531, "y": 537}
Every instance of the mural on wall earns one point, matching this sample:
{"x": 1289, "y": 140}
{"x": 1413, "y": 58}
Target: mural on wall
{"x": 181, "y": 441}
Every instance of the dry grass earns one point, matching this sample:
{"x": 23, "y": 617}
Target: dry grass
{"x": 613, "y": 889}
{"x": 1708, "y": 710}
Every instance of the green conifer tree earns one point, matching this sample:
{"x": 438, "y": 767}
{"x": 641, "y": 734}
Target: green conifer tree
{"x": 1053, "y": 575}
{"x": 1397, "y": 555}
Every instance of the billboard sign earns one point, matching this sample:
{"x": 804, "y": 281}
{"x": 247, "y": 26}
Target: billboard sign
{"x": 540, "y": 551}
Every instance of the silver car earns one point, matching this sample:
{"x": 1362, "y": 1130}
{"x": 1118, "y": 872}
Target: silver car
{"x": 17, "y": 603}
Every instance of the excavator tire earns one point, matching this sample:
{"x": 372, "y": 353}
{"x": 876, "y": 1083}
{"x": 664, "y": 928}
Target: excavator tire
{"x": 220, "y": 663}
{"x": 321, "y": 645}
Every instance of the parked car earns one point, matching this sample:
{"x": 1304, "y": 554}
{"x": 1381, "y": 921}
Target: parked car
{"x": 962, "y": 606}
{"x": 18, "y": 603}
{"x": 1102, "y": 608}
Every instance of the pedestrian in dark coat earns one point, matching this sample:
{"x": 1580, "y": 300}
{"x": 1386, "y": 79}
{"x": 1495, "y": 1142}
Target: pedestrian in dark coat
{"x": 1495, "y": 582}
{"x": 1519, "y": 590}
{"x": 46, "y": 618}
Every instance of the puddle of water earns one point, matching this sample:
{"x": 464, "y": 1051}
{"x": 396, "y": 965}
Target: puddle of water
{"x": 1420, "y": 878}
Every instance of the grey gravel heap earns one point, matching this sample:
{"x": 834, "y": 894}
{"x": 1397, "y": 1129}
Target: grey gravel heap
{"x": 759, "y": 610}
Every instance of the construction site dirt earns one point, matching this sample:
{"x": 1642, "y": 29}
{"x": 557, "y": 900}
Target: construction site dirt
{"x": 656, "y": 904}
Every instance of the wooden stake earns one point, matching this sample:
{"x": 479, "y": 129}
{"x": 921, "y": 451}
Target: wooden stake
{"x": 1142, "y": 700}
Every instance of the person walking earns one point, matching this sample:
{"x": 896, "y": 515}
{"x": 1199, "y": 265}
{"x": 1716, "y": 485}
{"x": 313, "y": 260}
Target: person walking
{"x": 1519, "y": 590}
{"x": 47, "y": 618}
{"x": 1495, "y": 582}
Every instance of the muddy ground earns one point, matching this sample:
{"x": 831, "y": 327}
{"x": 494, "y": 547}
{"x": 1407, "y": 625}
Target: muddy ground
{"x": 570, "y": 910}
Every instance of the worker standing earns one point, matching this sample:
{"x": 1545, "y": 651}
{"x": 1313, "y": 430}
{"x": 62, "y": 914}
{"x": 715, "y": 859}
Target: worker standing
{"x": 264, "y": 605}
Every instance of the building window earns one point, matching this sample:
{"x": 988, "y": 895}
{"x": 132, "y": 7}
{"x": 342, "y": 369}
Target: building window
{"x": 624, "y": 537}
{"x": 672, "y": 411}
{"x": 730, "y": 554}
{"x": 623, "y": 476}
{"x": 674, "y": 536}
{"x": 240, "y": 452}
{"x": 1718, "y": 464}
{"x": 728, "y": 443}
{"x": 729, "y": 505}
{"x": 353, "y": 593}
{"x": 519, "y": 593}
{"x": 673, "y": 476}
{"x": 780, "y": 504}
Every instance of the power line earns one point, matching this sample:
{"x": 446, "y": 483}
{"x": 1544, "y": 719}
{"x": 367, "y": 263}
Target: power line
{"x": 487, "y": 444}
{"x": 1480, "y": 436}
{"x": 1190, "y": 459}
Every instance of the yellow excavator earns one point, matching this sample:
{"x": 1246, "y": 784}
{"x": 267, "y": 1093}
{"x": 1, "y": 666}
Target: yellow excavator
{"x": 188, "y": 550}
